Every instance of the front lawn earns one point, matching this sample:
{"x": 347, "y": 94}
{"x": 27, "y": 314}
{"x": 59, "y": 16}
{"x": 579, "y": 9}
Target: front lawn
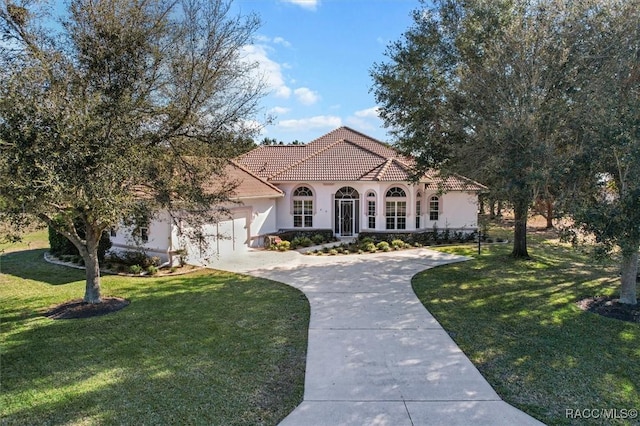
{"x": 519, "y": 324}
{"x": 207, "y": 348}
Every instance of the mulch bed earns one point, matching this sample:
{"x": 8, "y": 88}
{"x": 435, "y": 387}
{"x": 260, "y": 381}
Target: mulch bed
{"x": 610, "y": 307}
{"x": 78, "y": 308}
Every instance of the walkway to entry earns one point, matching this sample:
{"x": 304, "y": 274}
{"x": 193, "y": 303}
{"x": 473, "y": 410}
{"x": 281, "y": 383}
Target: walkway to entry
{"x": 376, "y": 356}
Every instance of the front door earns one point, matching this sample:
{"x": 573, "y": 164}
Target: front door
{"x": 346, "y": 217}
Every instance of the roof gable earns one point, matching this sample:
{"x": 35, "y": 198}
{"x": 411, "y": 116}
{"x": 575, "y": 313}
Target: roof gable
{"x": 248, "y": 185}
{"x": 343, "y": 154}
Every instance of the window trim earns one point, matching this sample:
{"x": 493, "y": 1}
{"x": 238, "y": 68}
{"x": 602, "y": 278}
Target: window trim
{"x": 307, "y": 213}
{"x": 371, "y": 197}
{"x": 432, "y": 211}
{"x": 396, "y": 195}
{"x": 418, "y": 214}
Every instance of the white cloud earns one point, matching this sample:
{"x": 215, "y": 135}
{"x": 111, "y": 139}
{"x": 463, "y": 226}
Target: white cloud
{"x": 365, "y": 119}
{"x": 281, "y": 41}
{"x": 306, "y": 96}
{"x": 373, "y": 112}
{"x": 270, "y": 70}
{"x": 279, "y": 110}
{"x": 306, "y": 4}
{"x": 311, "y": 123}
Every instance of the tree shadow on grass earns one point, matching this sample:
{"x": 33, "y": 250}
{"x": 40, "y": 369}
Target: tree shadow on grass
{"x": 225, "y": 351}
{"x": 519, "y": 323}
{"x": 30, "y": 265}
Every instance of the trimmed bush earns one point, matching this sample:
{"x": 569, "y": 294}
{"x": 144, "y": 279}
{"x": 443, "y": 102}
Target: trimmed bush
{"x": 397, "y": 244}
{"x": 135, "y": 269}
{"x": 321, "y": 235}
{"x": 370, "y": 247}
{"x": 383, "y": 245}
{"x": 283, "y": 245}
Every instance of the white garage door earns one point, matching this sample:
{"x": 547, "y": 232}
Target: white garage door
{"x": 222, "y": 241}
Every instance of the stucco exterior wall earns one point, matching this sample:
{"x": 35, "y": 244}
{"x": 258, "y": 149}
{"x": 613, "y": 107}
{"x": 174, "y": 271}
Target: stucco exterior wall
{"x": 158, "y": 231}
{"x": 263, "y": 219}
{"x": 458, "y": 209}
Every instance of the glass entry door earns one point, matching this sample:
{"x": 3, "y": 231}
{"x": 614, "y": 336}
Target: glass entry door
{"x": 346, "y": 217}
{"x": 346, "y": 223}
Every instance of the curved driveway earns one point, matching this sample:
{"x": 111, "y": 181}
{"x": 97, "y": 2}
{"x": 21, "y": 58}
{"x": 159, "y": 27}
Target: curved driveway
{"x": 375, "y": 355}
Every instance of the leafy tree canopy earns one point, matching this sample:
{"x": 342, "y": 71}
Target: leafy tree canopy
{"x": 121, "y": 107}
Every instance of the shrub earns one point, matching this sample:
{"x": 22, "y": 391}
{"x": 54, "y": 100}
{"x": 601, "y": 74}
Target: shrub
{"x": 333, "y": 252}
{"x": 173, "y": 269}
{"x": 326, "y": 235}
{"x": 383, "y": 245}
{"x": 283, "y": 245}
{"x": 135, "y": 269}
{"x": 397, "y": 244}
{"x": 370, "y": 247}
{"x": 139, "y": 258}
{"x": 301, "y": 242}
{"x": 317, "y": 239}
{"x": 152, "y": 270}
{"x": 365, "y": 242}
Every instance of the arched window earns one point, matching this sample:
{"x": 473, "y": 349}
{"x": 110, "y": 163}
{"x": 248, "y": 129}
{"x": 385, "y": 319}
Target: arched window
{"x": 371, "y": 209}
{"x": 303, "y": 207}
{"x": 396, "y": 208}
{"x": 434, "y": 208}
{"x": 418, "y": 209}
{"x": 347, "y": 192}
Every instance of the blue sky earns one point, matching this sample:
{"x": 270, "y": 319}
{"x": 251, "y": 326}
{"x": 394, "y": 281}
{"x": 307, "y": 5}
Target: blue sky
{"x": 316, "y": 56}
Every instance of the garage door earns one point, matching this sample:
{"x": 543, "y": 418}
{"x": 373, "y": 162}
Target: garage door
{"x": 221, "y": 241}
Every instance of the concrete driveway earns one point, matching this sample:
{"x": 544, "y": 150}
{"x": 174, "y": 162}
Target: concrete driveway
{"x": 375, "y": 355}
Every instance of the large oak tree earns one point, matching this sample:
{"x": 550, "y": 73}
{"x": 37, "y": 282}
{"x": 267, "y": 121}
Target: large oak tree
{"x": 603, "y": 186}
{"x": 479, "y": 87}
{"x": 114, "y": 110}
{"x": 540, "y": 98}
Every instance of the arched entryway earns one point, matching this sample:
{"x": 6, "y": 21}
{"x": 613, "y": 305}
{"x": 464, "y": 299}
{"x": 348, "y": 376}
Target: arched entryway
{"x": 347, "y": 212}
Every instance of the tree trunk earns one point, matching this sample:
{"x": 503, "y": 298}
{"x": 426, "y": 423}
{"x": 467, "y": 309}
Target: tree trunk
{"x": 628, "y": 278}
{"x": 549, "y": 215}
{"x": 521, "y": 211}
{"x": 90, "y": 256}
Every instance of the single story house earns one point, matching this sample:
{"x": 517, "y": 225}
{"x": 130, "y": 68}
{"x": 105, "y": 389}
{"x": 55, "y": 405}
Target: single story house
{"x": 344, "y": 181}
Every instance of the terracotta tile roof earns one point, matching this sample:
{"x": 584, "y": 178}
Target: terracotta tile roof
{"x": 453, "y": 183}
{"x": 341, "y": 155}
{"x": 248, "y": 184}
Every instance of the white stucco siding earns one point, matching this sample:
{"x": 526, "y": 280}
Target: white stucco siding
{"x": 219, "y": 241}
{"x": 263, "y": 220}
{"x": 158, "y": 233}
{"x": 459, "y": 210}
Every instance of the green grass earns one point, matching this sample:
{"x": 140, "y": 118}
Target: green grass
{"x": 518, "y": 323}
{"x": 31, "y": 240}
{"x": 209, "y": 348}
